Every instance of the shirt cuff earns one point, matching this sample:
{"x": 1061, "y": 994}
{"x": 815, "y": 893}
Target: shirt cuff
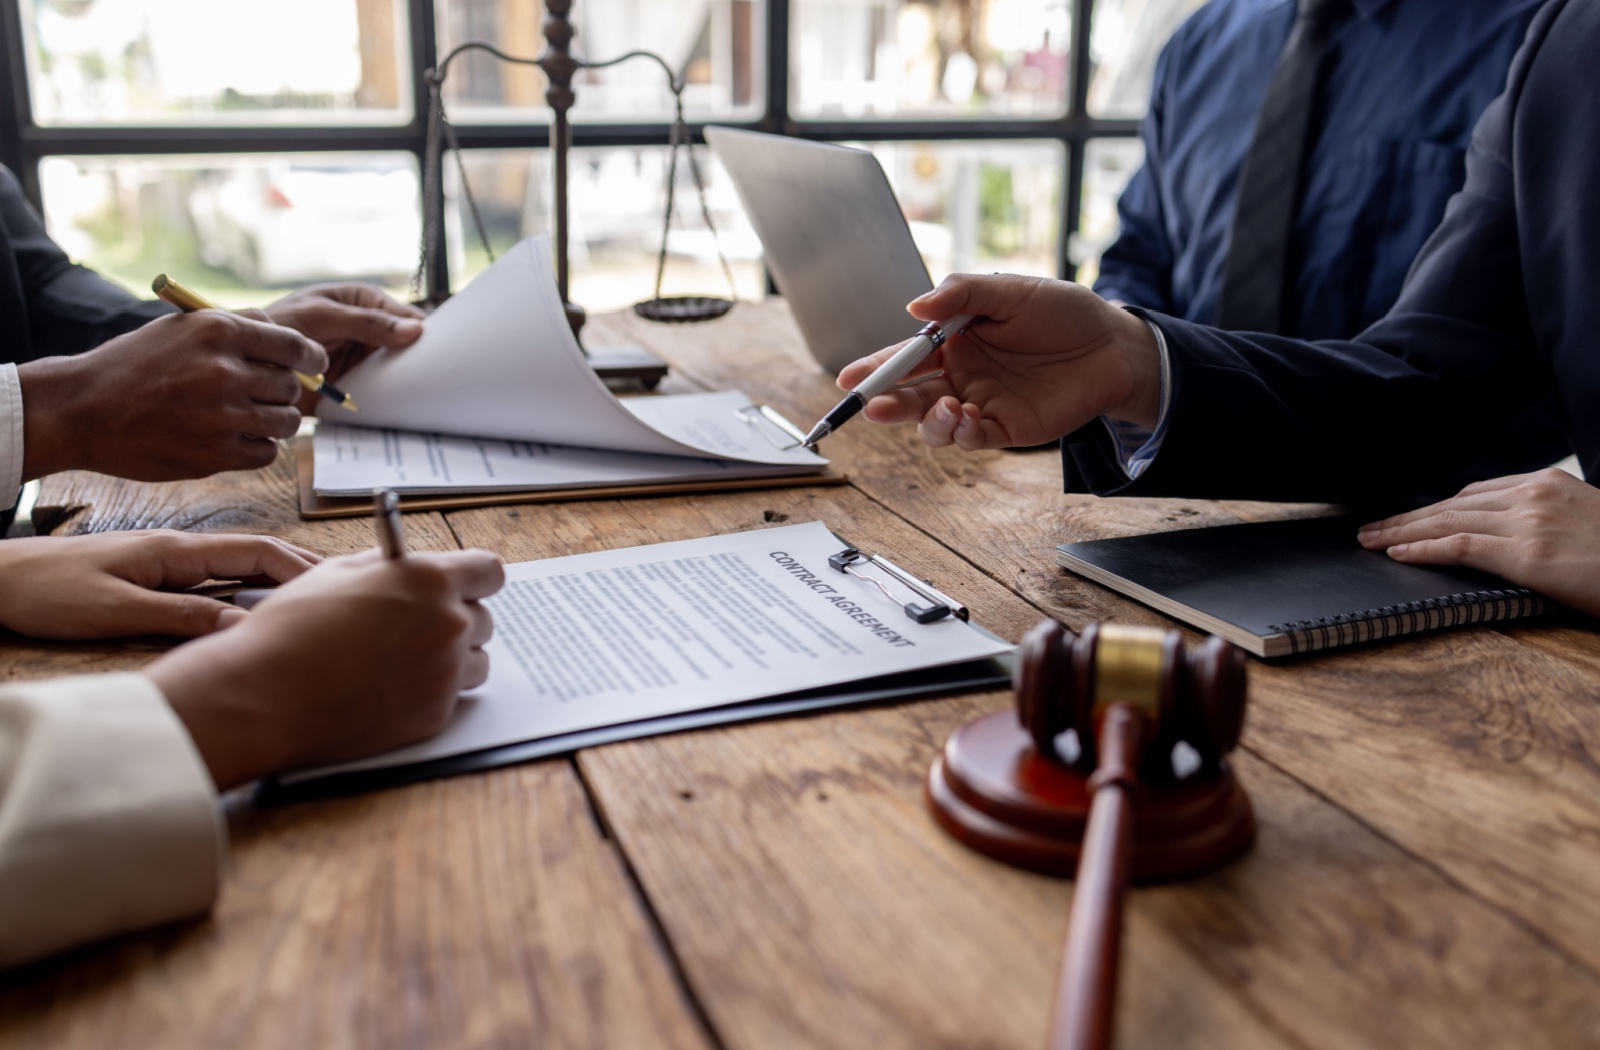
{"x": 108, "y": 818}
{"x": 10, "y": 436}
{"x": 1136, "y": 446}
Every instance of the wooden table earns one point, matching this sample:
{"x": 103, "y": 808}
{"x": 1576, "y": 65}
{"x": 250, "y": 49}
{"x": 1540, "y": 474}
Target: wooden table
{"x": 1427, "y": 872}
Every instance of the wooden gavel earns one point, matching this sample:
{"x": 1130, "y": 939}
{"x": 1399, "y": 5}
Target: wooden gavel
{"x": 1122, "y": 807}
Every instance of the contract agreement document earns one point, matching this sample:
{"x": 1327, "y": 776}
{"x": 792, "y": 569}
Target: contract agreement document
{"x": 498, "y": 396}
{"x": 635, "y": 635}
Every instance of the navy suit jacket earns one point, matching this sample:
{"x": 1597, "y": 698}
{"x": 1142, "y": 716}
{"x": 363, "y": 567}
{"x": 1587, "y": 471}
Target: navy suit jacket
{"x": 1501, "y": 306}
{"x": 48, "y": 306}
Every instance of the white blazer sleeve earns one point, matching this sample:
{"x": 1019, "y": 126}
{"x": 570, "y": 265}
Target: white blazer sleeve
{"x": 108, "y": 817}
{"x": 10, "y": 435}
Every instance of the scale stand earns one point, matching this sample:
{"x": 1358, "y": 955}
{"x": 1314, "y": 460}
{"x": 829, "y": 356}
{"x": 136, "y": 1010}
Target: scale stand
{"x": 559, "y": 65}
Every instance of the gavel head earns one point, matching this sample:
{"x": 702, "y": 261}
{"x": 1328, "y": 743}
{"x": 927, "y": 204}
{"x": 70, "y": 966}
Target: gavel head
{"x": 1064, "y": 680}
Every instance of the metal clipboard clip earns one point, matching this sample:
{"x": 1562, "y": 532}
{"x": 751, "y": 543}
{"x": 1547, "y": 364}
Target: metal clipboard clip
{"x": 770, "y": 424}
{"x": 937, "y": 605}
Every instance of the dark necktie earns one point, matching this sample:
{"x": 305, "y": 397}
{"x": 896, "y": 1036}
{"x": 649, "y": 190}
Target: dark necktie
{"x": 1253, "y": 275}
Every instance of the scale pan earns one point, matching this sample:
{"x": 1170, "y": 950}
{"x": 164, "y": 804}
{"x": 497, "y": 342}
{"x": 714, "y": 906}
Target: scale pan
{"x": 681, "y": 309}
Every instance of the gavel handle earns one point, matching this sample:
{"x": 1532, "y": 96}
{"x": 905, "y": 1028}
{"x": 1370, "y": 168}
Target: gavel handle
{"x": 1086, "y": 998}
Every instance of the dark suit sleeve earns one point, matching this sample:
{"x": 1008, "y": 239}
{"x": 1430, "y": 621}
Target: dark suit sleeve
{"x": 68, "y": 309}
{"x": 1421, "y": 394}
{"x": 1137, "y": 267}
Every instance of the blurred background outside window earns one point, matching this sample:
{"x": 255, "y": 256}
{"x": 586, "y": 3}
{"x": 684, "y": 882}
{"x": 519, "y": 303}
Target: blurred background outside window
{"x": 968, "y": 104}
{"x": 217, "y": 61}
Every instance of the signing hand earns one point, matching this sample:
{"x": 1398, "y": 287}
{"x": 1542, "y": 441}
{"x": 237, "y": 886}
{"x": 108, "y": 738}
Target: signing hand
{"x": 1540, "y": 531}
{"x": 360, "y": 655}
{"x": 349, "y": 320}
{"x": 120, "y": 583}
{"x": 185, "y": 396}
{"x": 1046, "y": 358}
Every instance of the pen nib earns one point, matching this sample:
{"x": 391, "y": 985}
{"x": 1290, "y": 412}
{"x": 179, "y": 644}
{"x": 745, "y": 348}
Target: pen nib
{"x": 350, "y": 403}
{"x": 818, "y": 432}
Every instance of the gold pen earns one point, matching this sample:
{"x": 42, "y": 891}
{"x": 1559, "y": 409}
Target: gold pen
{"x": 188, "y": 300}
{"x": 386, "y": 519}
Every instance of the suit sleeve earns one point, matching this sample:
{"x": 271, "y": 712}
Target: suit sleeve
{"x": 1137, "y": 267}
{"x": 1420, "y": 395}
{"x": 70, "y": 308}
{"x": 108, "y": 818}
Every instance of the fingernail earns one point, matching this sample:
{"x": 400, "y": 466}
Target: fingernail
{"x": 408, "y": 329}
{"x": 1398, "y": 549}
{"x": 943, "y": 413}
{"x": 229, "y": 616}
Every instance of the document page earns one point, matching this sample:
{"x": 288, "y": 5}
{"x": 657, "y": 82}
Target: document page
{"x": 499, "y": 360}
{"x": 352, "y": 461}
{"x": 616, "y": 636}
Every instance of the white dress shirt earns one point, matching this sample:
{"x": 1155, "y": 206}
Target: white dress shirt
{"x": 10, "y": 436}
{"x": 1137, "y": 446}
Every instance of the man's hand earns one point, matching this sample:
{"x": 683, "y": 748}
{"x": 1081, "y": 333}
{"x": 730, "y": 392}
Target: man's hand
{"x": 1540, "y": 531}
{"x": 358, "y": 656}
{"x": 183, "y": 397}
{"x": 119, "y": 583}
{"x": 349, "y": 320}
{"x": 1044, "y": 358}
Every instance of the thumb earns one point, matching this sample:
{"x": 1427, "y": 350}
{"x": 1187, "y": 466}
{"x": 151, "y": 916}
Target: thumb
{"x": 998, "y": 297}
{"x": 361, "y": 324}
{"x": 177, "y": 615}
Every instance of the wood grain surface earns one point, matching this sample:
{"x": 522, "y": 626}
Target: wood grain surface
{"x": 1427, "y": 872}
{"x": 475, "y": 912}
{"x": 813, "y": 902}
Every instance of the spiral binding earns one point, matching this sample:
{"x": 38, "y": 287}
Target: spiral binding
{"x": 1392, "y": 621}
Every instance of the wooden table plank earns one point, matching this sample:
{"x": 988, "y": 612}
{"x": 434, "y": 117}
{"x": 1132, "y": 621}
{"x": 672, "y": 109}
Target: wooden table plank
{"x": 814, "y": 903}
{"x": 261, "y": 502}
{"x": 477, "y": 912}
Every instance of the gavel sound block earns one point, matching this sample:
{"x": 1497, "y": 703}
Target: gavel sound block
{"x": 1121, "y": 808}
{"x": 1004, "y": 787}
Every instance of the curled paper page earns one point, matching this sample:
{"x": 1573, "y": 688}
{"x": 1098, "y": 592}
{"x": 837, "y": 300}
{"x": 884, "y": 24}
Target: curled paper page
{"x": 498, "y": 360}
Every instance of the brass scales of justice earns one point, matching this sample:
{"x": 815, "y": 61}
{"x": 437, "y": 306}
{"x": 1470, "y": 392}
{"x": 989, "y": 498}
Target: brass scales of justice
{"x": 559, "y": 66}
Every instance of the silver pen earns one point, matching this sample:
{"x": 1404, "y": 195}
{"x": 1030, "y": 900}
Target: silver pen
{"x": 386, "y": 518}
{"x": 931, "y": 338}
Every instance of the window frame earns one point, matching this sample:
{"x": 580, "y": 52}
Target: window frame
{"x": 23, "y": 143}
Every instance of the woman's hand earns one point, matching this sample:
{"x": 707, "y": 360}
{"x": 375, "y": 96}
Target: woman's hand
{"x": 1044, "y": 358}
{"x": 1540, "y": 531}
{"x": 120, "y": 583}
{"x": 360, "y": 655}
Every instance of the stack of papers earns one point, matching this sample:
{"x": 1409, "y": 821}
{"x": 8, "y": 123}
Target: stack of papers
{"x": 498, "y": 396}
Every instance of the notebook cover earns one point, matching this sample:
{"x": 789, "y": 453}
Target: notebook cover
{"x": 313, "y": 506}
{"x": 1262, "y": 576}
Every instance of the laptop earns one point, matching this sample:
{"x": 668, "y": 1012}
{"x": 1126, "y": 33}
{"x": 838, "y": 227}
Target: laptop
{"x": 837, "y": 244}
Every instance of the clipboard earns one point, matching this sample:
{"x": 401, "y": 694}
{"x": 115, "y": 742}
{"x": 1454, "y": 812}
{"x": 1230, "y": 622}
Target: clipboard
{"x": 314, "y": 507}
{"x": 994, "y": 673}
{"x": 925, "y": 605}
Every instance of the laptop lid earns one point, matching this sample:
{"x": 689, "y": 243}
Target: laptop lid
{"x": 836, "y": 242}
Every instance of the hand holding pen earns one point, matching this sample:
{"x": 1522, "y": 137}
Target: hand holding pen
{"x": 189, "y": 301}
{"x": 1043, "y": 359}
{"x": 883, "y": 378}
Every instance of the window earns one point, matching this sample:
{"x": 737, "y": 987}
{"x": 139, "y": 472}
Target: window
{"x": 257, "y": 144}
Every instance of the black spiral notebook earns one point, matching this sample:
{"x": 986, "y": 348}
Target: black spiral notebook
{"x": 1284, "y": 587}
